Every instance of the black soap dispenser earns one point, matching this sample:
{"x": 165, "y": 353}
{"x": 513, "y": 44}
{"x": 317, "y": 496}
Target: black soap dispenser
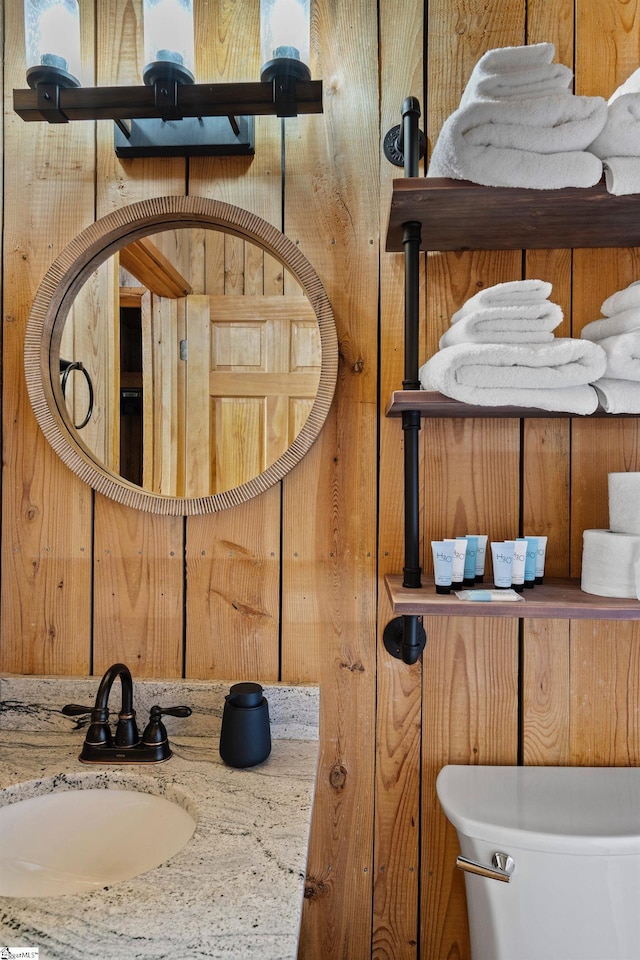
{"x": 245, "y": 738}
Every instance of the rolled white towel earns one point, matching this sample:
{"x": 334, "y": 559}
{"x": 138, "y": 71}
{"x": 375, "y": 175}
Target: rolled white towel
{"x": 552, "y": 376}
{"x": 624, "y": 322}
{"x": 512, "y": 293}
{"x": 623, "y": 356}
{"x": 622, "y": 175}
{"x": 517, "y": 72}
{"x": 538, "y": 143}
{"x": 618, "y": 396}
{"x": 522, "y": 324}
{"x": 625, "y": 299}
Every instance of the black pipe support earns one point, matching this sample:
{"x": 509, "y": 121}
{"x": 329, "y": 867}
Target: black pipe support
{"x": 405, "y": 638}
{"x": 407, "y": 133}
{"x": 412, "y": 568}
{"x": 411, "y": 241}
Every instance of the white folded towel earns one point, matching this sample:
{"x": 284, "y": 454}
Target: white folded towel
{"x": 624, "y": 322}
{"x": 531, "y": 323}
{"x": 517, "y": 72}
{"x": 509, "y": 294}
{"x": 538, "y": 143}
{"x": 625, "y": 299}
{"x": 622, "y": 175}
{"x": 618, "y": 396}
{"x": 623, "y": 356}
{"x": 582, "y": 399}
{"x": 552, "y": 376}
{"x": 620, "y": 136}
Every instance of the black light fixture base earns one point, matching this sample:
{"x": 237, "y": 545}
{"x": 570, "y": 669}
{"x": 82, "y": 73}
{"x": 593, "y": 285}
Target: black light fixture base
{"x": 285, "y": 67}
{"x": 393, "y": 639}
{"x": 167, "y": 71}
{"x": 189, "y": 137}
{"x": 50, "y": 73}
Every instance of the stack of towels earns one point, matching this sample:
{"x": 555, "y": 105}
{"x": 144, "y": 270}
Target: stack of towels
{"x": 618, "y": 144}
{"x": 500, "y": 350}
{"x": 618, "y": 334}
{"x": 519, "y": 125}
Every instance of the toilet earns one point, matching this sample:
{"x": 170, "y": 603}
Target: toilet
{"x": 565, "y": 884}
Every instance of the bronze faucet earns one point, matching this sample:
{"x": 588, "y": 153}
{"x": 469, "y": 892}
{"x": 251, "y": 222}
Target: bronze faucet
{"x": 126, "y": 746}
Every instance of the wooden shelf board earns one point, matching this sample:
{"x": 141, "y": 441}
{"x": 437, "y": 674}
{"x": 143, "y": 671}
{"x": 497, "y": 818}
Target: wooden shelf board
{"x": 431, "y": 404}
{"x": 552, "y": 600}
{"x": 459, "y": 215}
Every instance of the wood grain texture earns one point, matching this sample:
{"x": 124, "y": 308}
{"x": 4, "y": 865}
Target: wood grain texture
{"x": 398, "y": 725}
{"x": 143, "y": 547}
{"x": 545, "y": 668}
{"x": 461, "y": 215}
{"x": 604, "y": 698}
{"x": 136, "y": 622}
{"x": 46, "y": 559}
{"x": 329, "y": 500}
{"x": 234, "y": 558}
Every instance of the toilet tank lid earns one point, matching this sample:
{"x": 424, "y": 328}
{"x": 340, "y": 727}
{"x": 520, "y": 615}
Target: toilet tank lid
{"x": 588, "y": 810}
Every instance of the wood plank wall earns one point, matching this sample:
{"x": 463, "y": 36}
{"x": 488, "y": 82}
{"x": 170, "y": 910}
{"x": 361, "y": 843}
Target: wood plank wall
{"x": 288, "y": 586}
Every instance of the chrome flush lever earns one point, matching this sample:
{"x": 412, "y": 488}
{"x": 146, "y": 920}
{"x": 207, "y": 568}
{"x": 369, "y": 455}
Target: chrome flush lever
{"x": 502, "y": 867}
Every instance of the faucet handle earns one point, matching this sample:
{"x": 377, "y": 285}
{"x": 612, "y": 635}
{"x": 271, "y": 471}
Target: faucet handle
{"x": 171, "y": 711}
{"x": 75, "y": 710}
{"x": 155, "y": 733}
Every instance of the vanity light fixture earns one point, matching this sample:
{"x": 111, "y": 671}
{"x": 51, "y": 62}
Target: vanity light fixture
{"x": 169, "y": 114}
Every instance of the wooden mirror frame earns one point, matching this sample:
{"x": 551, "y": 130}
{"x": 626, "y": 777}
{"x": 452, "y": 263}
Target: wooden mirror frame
{"x": 69, "y": 272}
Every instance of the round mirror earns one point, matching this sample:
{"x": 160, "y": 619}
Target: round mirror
{"x": 181, "y": 355}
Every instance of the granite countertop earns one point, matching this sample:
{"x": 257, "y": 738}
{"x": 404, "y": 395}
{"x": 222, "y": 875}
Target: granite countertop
{"x": 235, "y": 890}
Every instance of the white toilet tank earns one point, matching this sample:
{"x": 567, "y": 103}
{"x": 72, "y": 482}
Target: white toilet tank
{"x": 574, "y": 836}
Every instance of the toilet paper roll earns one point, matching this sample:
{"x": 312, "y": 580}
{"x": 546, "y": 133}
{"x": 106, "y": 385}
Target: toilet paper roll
{"x": 611, "y": 564}
{"x": 624, "y": 502}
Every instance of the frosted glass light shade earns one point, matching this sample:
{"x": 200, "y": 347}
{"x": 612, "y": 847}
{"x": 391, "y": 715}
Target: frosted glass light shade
{"x": 284, "y": 30}
{"x": 52, "y": 40}
{"x": 168, "y": 40}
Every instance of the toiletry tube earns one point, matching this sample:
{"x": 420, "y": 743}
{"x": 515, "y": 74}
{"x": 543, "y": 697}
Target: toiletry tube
{"x": 624, "y": 502}
{"x": 519, "y": 560}
{"x": 459, "y": 554}
{"x": 470, "y": 561}
{"x": 443, "y": 564}
{"x": 540, "y": 558}
{"x": 481, "y": 553}
{"x": 502, "y": 554}
{"x": 611, "y": 564}
{"x": 530, "y": 562}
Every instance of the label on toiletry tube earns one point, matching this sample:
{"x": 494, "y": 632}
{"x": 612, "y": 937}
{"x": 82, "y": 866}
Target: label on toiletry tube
{"x": 530, "y": 562}
{"x": 502, "y": 555}
{"x": 443, "y": 551}
{"x": 459, "y": 554}
{"x": 469, "y": 574}
{"x": 541, "y": 552}
{"x": 519, "y": 560}
{"x": 481, "y": 552}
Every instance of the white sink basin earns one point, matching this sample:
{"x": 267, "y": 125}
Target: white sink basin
{"x": 80, "y": 840}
